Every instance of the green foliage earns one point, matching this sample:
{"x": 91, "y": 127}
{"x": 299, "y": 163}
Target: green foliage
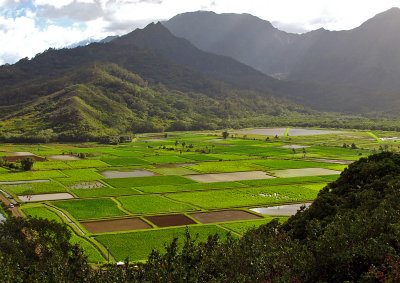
{"x": 147, "y": 181}
{"x": 27, "y": 163}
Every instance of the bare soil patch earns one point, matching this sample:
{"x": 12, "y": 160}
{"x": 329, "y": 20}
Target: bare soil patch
{"x": 290, "y": 209}
{"x": 233, "y": 176}
{"x": 115, "y": 225}
{"x": 223, "y": 216}
{"x": 61, "y": 157}
{"x": 127, "y": 174}
{"x": 44, "y": 197}
{"x": 170, "y": 220}
{"x": 301, "y": 172}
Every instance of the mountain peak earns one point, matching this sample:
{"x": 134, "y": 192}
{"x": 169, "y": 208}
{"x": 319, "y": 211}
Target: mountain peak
{"x": 387, "y": 19}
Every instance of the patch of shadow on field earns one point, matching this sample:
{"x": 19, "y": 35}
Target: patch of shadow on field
{"x": 264, "y": 132}
{"x": 290, "y": 209}
{"x": 44, "y": 197}
{"x": 62, "y": 157}
{"x": 127, "y": 174}
{"x": 87, "y": 185}
{"x": 232, "y": 176}
{"x": 115, "y": 225}
{"x": 302, "y": 172}
{"x": 294, "y": 146}
{"x": 170, "y": 220}
{"x": 336, "y": 161}
{"x": 223, "y": 216}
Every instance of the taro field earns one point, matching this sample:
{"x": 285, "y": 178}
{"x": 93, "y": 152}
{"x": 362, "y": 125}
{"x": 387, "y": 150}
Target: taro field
{"x": 125, "y": 200}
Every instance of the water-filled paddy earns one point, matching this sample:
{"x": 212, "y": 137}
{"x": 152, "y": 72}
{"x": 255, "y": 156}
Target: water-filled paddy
{"x": 290, "y": 209}
{"x": 45, "y": 197}
{"x": 62, "y": 157}
{"x": 300, "y": 172}
{"x": 233, "y": 176}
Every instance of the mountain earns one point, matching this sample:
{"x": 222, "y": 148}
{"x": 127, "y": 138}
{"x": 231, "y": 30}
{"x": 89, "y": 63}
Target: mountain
{"x": 367, "y": 56}
{"x": 116, "y": 87}
{"x": 244, "y": 37}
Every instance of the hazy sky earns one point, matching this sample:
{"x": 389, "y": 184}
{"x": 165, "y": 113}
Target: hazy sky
{"x": 28, "y": 27}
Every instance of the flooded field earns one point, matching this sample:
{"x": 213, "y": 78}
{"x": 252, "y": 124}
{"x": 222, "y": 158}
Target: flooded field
{"x": 23, "y": 182}
{"x": 302, "y": 172}
{"x": 62, "y": 157}
{"x": 223, "y": 216}
{"x": 294, "y": 146}
{"x": 233, "y": 176}
{"x": 87, "y": 185}
{"x": 311, "y": 132}
{"x": 265, "y": 132}
{"x": 45, "y": 197}
{"x": 290, "y": 209}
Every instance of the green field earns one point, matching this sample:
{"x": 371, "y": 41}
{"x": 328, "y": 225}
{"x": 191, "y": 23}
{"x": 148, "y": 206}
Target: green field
{"x": 147, "y": 181}
{"x": 152, "y": 204}
{"x": 245, "y": 196}
{"x": 90, "y": 208}
{"x": 169, "y": 191}
{"x": 138, "y": 245}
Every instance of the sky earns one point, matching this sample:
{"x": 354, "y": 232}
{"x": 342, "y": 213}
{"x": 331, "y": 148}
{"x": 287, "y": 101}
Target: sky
{"x": 28, "y": 27}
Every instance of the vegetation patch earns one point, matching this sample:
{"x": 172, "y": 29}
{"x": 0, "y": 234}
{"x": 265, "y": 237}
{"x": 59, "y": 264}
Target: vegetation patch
{"x": 125, "y": 161}
{"x": 244, "y": 226}
{"x": 138, "y": 245}
{"x": 190, "y": 187}
{"x": 35, "y": 188}
{"x": 226, "y": 166}
{"x": 90, "y": 208}
{"x": 245, "y": 196}
{"x": 152, "y": 204}
{"x": 148, "y": 181}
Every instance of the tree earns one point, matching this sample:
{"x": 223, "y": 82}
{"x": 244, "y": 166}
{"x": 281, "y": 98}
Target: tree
{"x": 225, "y": 135}
{"x": 27, "y": 163}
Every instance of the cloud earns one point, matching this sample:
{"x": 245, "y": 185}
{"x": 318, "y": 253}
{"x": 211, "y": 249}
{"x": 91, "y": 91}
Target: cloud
{"x": 78, "y": 11}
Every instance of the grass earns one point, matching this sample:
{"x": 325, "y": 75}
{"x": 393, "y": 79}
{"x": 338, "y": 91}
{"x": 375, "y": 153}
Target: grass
{"x": 244, "y": 226}
{"x": 189, "y": 187}
{"x": 138, "y": 245}
{"x": 148, "y": 181}
{"x": 80, "y": 175}
{"x": 285, "y": 181}
{"x": 49, "y": 165}
{"x": 104, "y": 192}
{"x": 124, "y": 161}
{"x": 165, "y": 159}
{"x": 41, "y": 212}
{"x": 245, "y": 196}
{"x": 86, "y": 163}
{"x": 35, "y": 188}
{"x": 31, "y": 175}
{"x": 90, "y": 208}
{"x": 152, "y": 204}
{"x": 174, "y": 171}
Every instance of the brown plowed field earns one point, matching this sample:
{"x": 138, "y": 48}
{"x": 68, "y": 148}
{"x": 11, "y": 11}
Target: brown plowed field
{"x": 170, "y": 220}
{"x": 115, "y": 225}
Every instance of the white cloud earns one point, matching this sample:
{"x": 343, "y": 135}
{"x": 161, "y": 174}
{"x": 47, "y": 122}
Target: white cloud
{"x": 41, "y": 24}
